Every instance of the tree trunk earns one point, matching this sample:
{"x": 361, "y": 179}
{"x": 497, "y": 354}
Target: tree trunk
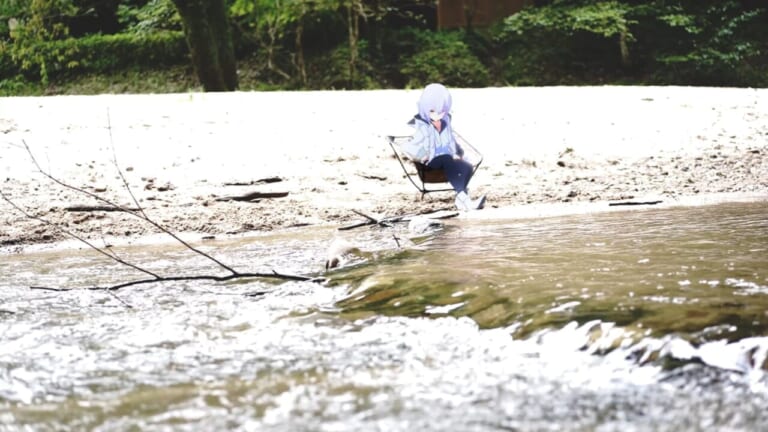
{"x": 353, "y": 29}
{"x": 624, "y": 49}
{"x": 209, "y": 37}
{"x": 300, "y": 65}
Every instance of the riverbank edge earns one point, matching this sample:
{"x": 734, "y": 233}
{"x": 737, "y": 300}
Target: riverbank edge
{"x": 520, "y": 212}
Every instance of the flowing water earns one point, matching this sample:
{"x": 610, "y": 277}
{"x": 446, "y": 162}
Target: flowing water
{"x": 650, "y": 319}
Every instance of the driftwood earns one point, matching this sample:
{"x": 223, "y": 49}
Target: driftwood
{"x": 389, "y": 220}
{"x": 372, "y": 177}
{"x": 633, "y": 203}
{"x": 255, "y": 182}
{"x": 187, "y": 278}
{"x": 251, "y": 196}
{"x": 95, "y": 208}
{"x": 138, "y": 212}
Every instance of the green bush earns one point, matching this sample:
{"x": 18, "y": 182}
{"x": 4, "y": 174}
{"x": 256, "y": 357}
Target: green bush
{"x": 331, "y": 70}
{"x": 568, "y": 43}
{"x": 444, "y": 57}
{"x": 7, "y": 66}
{"x": 716, "y": 44}
{"x": 98, "y": 54}
{"x": 687, "y": 42}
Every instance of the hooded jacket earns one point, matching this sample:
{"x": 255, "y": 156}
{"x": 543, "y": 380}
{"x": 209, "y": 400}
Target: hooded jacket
{"x": 427, "y": 143}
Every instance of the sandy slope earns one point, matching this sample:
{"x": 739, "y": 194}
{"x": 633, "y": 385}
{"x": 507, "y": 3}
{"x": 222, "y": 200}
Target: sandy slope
{"x": 564, "y": 148}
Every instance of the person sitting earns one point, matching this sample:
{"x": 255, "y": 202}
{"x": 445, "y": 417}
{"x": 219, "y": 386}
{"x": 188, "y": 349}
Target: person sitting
{"x": 434, "y": 144}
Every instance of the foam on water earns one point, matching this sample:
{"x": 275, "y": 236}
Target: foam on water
{"x": 522, "y": 339}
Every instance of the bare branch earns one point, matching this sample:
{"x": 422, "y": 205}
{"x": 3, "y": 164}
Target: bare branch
{"x": 251, "y": 196}
{"x": 272, "y": 275}
{"x": 89, "y": 208}
{"x": 370, "y": 218}
{"x": 120, "y": 300}
{"x": 119, "y": 171}
{"x": 139, "y": 215}
{"x": 389, "y": 220}
{"x": 75, "y": 236}
{"x": 254, "y": 182}
{"x": 633, "y": 203}
{"x": 114, "y": 256}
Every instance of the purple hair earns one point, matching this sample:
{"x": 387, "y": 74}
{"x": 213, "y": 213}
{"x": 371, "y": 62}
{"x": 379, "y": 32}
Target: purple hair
{"x": 435, "y": 97}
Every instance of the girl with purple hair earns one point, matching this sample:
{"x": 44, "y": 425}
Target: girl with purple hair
{"x": 433, "y": 144}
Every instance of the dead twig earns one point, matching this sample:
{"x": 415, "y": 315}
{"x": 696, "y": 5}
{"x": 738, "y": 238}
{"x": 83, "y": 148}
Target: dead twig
{"x": 97, "y": 208}
{"x": 253, "y": 196}
{"x": 255, "y": 182}
{"x": 272, "y": 275}
{"x": 126, "y": 304}
{"x": 75, "y": 236}
{"x": 389, "y": 220}
{"x": 633, "y": 203}
{"x": 372, "y": 177}
{"x": 140, "y": 214}
{"x": 370, "y": 221}
{"x": 119, "y": 171}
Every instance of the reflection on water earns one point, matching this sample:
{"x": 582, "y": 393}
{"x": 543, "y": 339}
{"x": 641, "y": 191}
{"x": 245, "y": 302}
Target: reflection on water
{"x": 665, "y": 271}
{"x": 650, "y": 320}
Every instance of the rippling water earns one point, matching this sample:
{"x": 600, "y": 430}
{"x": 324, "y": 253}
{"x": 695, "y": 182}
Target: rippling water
{"x": 640, "y": 320}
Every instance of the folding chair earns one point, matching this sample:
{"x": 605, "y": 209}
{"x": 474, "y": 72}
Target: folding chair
{"x": 426, "y": 175}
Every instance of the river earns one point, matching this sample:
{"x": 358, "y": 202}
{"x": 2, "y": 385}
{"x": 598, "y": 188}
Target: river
{"x": 652, "y": 319}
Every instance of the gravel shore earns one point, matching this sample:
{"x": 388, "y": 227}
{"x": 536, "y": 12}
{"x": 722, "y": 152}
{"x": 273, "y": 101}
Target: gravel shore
{"x": 316, "y": 157}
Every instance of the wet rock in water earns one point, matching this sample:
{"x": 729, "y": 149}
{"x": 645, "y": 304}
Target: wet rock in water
{"x": 339, "y": 253}
{"x": 420, "y": 225}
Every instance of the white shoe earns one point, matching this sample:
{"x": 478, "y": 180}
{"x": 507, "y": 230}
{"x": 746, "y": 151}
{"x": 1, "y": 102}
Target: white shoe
{"x": 463, "y": 202}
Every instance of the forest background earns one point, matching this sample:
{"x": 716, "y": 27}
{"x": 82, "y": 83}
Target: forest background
{"x": 162, "y": 46}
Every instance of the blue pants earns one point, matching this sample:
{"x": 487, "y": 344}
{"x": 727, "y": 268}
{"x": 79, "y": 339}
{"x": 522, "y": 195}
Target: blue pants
{"x": 458, "y": 172}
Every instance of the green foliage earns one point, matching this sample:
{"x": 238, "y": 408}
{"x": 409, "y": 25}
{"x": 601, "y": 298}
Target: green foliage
{"x": 153, "y": 16}
{"x": 719, "y": 43}
{"x": 317, "y": 44}
{"x": 275, "y": 21}
{"x": 444, "y": 57}
{"x": 42, "y": 25}
{"x": 173, "y": 79}
{"x": 567, "y": 41}
{"x": 7, "y": 66}
{"x": 10, "y": 11}
{"x": 604, "y": 18}
{"x": 700, "y": 42}
{"x": 330, "y": 70}
{"x": 99, "y": 54}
